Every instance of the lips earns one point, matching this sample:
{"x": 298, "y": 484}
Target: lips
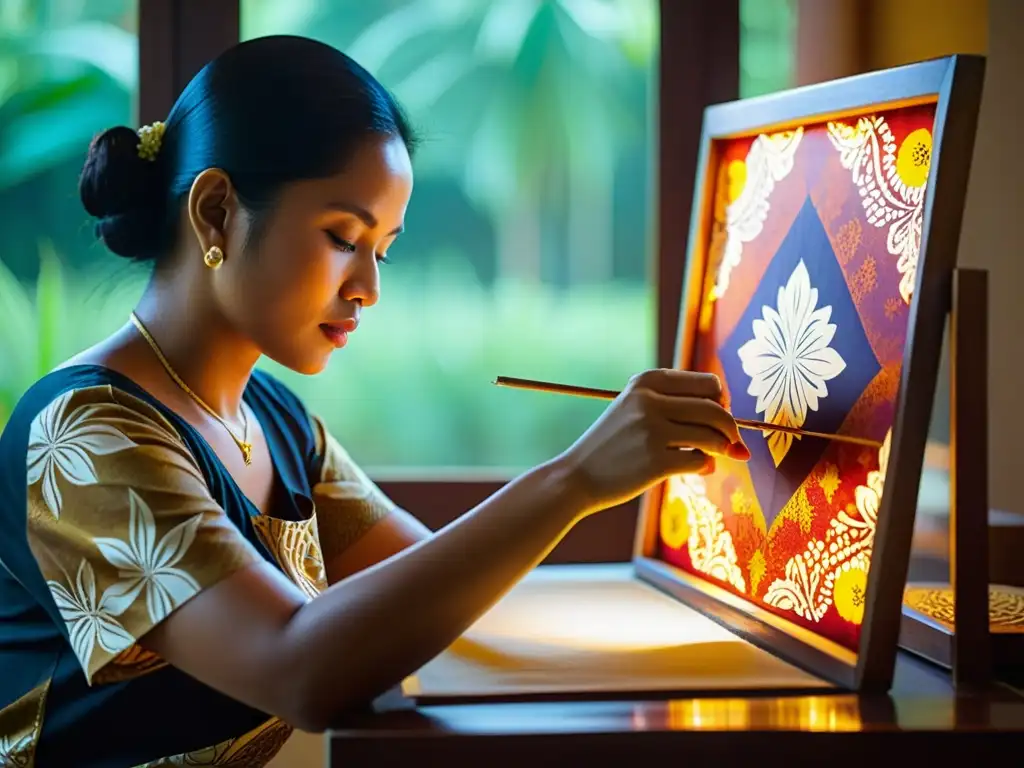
{"x": 337, "y": 333}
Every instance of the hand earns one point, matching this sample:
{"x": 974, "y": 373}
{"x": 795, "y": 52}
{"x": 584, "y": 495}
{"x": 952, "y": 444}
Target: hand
{"x": 664, "y": 423}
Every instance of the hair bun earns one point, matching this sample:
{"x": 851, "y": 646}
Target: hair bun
{"x": 123, "y": 192}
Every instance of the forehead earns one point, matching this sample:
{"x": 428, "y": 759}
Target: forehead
{"x": 377, "y": 177}
{"x": 380, "y": 156}
{"x": 378, "y": 171}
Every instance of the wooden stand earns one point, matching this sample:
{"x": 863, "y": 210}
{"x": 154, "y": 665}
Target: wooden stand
{"x": 965, "y": 643}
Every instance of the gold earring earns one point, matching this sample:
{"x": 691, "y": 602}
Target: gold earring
{"x": 214, "y": 257}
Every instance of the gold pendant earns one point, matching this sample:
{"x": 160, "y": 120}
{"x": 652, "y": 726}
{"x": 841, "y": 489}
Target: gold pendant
{"x": 246, "y": 452}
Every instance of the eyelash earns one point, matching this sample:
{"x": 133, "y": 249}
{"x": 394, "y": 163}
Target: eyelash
{"x": 345, "y": 245}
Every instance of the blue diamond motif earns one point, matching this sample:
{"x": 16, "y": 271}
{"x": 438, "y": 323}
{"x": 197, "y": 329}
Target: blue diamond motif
{"x": 806, "y": 241}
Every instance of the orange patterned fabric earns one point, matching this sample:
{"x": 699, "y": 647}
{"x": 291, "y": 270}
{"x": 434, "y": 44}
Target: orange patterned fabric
{"x": 810, "y": 273}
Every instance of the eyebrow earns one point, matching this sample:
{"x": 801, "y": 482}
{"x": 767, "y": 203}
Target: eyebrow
{"x": 363, "y": 215}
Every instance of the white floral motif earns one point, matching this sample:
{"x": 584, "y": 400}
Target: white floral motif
{"x": 710, "y": 545}
{"x": 62, "y": 444}
{"x": 789, "y": 359}
{"x": 797, "y": 592}
{"x": 768, "y": 162}
{"x": 143, "y": 563}
{"x": 89, "y": 623}
{"x": 868, "y": 150}
{"x": 810, "y": 578}
{"x": 868, "y": 499}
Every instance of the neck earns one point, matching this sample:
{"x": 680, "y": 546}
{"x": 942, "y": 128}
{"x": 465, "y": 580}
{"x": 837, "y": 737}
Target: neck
{"x": 202, "y": 348}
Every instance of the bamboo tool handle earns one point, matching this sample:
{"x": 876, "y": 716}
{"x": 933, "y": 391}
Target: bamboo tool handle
{"x": 611, "y": 394}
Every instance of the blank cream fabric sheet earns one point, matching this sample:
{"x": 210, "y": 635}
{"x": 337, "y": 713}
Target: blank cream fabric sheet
{"x": 588, "y": 629}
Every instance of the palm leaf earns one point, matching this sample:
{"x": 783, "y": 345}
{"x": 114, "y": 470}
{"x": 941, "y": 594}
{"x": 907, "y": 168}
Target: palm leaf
{"x": 105, "y": 47}
{"x": 383, "y": 39}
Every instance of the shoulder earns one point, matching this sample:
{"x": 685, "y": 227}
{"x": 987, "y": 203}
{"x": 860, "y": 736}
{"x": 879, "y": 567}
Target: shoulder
{"x": 81, "y": 409}
{"x": 76, "y": 424}
{"x": 98, "y": 435}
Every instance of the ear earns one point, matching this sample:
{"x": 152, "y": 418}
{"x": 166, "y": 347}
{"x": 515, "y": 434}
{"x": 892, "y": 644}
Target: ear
{"x": 212, "y": 205}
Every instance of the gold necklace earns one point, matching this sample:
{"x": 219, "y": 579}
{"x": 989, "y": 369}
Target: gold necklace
{"x": 244, "y": 445}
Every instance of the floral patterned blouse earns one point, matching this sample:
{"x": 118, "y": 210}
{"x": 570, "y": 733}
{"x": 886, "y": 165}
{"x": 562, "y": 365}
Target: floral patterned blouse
{"x": 114, "y": 512}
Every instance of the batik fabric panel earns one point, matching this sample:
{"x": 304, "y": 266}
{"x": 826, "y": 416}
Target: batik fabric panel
{"x": 811, "y": 268}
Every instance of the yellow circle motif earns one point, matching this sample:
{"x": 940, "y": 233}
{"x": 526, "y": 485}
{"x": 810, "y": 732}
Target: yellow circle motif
{"x": 674, "y": 528}
{"x": 850, "y": 591}
{"x": 914, "y": 158}
{"x": 737, "y": 179}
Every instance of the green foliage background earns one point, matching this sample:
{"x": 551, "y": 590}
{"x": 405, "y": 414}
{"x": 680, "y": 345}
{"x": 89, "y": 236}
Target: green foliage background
{"x": 529, "y": 235}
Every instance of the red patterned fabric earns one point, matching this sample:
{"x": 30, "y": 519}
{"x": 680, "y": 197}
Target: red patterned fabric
{"x": 811, "y": 267}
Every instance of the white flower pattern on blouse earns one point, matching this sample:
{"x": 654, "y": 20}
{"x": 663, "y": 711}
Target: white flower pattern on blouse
{"x": 143, "y": 563}
{"x": 61, "y": 444}
{"x": 89, "y": 622}
{"x": 14, "y": 751}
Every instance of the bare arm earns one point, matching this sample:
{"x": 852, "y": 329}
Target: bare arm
{"x": 256, "y": 638}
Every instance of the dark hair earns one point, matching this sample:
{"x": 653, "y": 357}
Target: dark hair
{"x": 268, "y": 111}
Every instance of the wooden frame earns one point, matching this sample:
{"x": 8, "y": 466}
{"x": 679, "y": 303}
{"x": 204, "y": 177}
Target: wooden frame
{"x": 954, "y": 84}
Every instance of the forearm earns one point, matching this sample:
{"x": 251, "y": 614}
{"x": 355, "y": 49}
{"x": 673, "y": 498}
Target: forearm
{"x": 376, "y": 627}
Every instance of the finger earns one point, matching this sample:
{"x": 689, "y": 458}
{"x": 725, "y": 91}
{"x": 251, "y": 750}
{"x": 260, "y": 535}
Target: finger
{"x": 688, "y": 462}
{"x": 697, "y": 436}
{"x": 679, "y": 383}
{"x": 698, "y": 411}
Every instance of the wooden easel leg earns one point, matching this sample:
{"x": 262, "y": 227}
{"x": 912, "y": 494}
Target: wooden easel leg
{"x": 968, "y": 510}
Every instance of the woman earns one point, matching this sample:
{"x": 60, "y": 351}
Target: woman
{"x": 194, "y": 566}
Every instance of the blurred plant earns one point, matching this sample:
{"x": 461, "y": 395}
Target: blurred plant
{"x": 537, "y": 100}
{"x": 60, "y": 315}
{"x": 29, "y": 327}
{"x": 27, "y": 341}
{"x": 59, "y": 80}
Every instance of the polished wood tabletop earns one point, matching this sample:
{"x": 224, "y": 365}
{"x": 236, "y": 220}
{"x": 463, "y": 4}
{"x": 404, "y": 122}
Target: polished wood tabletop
{"x": 922, "y": 713}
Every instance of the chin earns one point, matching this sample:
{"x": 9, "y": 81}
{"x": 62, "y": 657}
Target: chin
{"x": 306, "y": 362}
{"x": 311, "y": 366}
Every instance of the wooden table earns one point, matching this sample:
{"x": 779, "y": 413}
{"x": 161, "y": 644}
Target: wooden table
{"x": 923, "y": 718}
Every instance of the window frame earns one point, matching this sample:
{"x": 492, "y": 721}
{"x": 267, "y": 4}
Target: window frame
{"x": 698, "y": 65}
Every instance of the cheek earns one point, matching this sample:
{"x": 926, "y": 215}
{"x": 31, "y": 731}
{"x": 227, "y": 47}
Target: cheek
{"x": 292, "y": 277}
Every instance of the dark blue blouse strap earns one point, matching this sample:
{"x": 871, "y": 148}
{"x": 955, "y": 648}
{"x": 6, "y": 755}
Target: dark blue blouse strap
{"x": 288, "y": 421}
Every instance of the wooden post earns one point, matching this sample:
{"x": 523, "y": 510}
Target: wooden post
{"x": 968, "y": 508}
{"x": 176, "y": 39}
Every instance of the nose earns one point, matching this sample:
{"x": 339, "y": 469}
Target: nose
{"x": 361, "y": 283}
